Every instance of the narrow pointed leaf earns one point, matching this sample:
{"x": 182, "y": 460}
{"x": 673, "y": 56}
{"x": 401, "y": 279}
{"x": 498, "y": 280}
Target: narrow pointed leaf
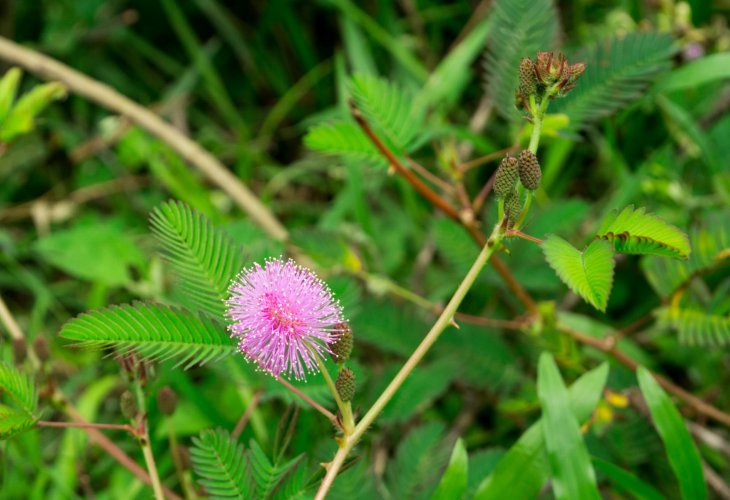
{"x": 681, "y": 451}
{"x": 626, "y": 481}
{"x": 572, "y": 473}
{"x": 453, "y": 482}
{"x": 637, "y": 232}
{"x": 588, "y": 273}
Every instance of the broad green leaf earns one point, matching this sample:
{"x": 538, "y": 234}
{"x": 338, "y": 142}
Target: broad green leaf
{"x": 96, "y": 252}
{"x": 8, "y": 88}
{"x": 626, "y": 481}
{"x": 572, "y": 473}
{"x": 638, "y": 232}
{"x": 524, "y": 469}
{"x": 222, "y": 465}
{"x": 20, "y": 119}
{"x": 521, "y": 28}
{"x": 692, "y": 75}
{"x": 681, "y": 451}
{"x": 453, "y": 482}
{"x": 13, "y": 421}
{"x": 152, "y": 330}
{"x": 588, "y": 273}
{"x": 204, "y": 258}
{"x": 618, "y": 70}
{"x": 19, "y": 387}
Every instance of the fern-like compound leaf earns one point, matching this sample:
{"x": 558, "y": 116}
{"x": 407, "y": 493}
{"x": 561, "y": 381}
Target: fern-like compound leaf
{"x": 588, "y": 273}
{"x": 153, "y": 331}
{"x": 696, "y": 327}
{"x": 520, "y": 29}
{"x": 267, "y": 476}
{"x": 204, "y": 258}
{"x": 14, "y": 421}
{"x": 222, "y": 465}
{"x": 342, "y": 138}
{"x": 638, "y": 232}
{"x": 618, "y": 71}
{"x": 19, "y": 388}
{"x": 391, "y": 110}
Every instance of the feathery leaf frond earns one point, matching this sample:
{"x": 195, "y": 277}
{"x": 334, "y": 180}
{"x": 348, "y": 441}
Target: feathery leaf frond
{"x": 222, "y": 465}
{"x": 154, "y": 331}
{"x": 14, "y": 421}
{"x": 19, "y": 387}
{"x": 696, "y": 327}
{"x": 343, "y": 138}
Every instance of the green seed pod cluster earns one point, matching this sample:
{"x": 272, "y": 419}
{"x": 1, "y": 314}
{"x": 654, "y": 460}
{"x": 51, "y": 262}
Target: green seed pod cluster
{"x": 529, "y": 170}
{"x": 512, "y": 208}
{"x": 528, "y": 79}
{"x": 341, "y": 348}
{"x": 505, "y": 179}
{"x": 345, "y": 384}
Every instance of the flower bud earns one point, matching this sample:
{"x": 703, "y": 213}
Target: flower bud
{"x": 529, "y": 169}
{"x": 167, "y": 400}
{"x": 506, "y": 177}
{"x": 342, "y": 347}
{"x": 40, "y": 346}
{"x": 512, "y": 208}
{"x": 345, "y": 384}
{"x": 128, "y": 405}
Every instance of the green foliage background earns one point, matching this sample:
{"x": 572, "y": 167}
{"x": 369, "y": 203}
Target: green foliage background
{"x": 85, "y": 224}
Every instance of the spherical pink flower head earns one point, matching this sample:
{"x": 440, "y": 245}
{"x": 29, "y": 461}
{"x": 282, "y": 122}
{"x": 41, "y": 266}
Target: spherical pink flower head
{"x": 283, "y": 316}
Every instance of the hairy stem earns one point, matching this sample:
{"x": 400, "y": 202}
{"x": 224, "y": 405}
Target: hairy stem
{"x": 443, "y": 321}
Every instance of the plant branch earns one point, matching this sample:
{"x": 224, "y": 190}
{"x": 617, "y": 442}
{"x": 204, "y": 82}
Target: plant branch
{"x": 324, "y": 411}
{"x": 443, "y": 321}
{"x": 102, "y": 94}
{"x": 241, "y": 424}
{"x": 87, "y": 425}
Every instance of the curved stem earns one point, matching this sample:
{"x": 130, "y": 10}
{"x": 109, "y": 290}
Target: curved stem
{"x": 443, "y": 321}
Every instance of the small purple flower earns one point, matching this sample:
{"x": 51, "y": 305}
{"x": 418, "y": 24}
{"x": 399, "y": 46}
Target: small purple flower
{"x": 283, "y": 316}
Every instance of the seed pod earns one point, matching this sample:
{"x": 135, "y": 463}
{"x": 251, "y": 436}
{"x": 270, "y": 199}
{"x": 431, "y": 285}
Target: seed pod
{"x": 528, "y": 80}
{"x": 40, "y": 346}
{"x": 529, "y": 168}
{"x": 167, "y": 400}
{"x": 345, "y": 384}
{"x": 342, "y": 347}
{"x": 20, "y": 350}
{"x": 512, "y": 207}
{"x": 506, "y": 177}
{"x": 128, "y": 405}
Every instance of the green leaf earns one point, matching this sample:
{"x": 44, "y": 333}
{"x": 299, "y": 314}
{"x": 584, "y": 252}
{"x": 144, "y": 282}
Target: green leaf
{"x": 19, "y": 387}
{"x": 453, "y": 482}
{"x": 418, "y": 461}
{"x": 524, "y": 469}
{"x": 696, "y": 327}
{"x": 681, "y": 451}
{"x": 8, "y": 89}
{"x": 692, "y": 75}
{"x": 572, "y": 473}
{"x": 637, "y": 232}
{"x": 390, "y": 110}
{"x": 267, "y": 476}
{"x": 626, "y": 481}
{"x": 521, "y": 28}
{"x": 152, "y": 330}
{"x": 222, "y": 465}
{"x": 20, "y": 119}
{"x": 96, "y": 252}
{"x": 588, "y": 273}
{"x": 13, "y": 422}
{"x": 204, "y": 258}
{"x": 618, "y": 71}
{"x": 343, "y": 138}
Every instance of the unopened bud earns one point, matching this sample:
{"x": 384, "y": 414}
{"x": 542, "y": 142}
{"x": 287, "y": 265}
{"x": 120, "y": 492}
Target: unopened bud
{"x": 506, "y": 177}
{"x": 128, "y": 405}
{"x": 342, "y": 347}
{"x": 345, "y": 384}
{"x": 40, "y": 346}
{"x": 167, "y": 400}
{"x": 20, "y": 350}
{"x": 529, "y": 168}
{"x": 512, "y": 208}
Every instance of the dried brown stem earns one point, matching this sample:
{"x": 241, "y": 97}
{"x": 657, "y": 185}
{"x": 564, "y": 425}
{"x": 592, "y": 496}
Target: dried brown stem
{"x": 241, "y": 424}
{"x": 477, "y": 162}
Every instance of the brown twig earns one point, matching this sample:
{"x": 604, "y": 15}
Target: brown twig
{"x": 477, "y": 162}
{"x": 520, "y": 234}
{"x": 483, "y": 195}
{"x": 433, "y": 179}
{"x": 324, "y": 411}
{"x": 88, "y": 425}
{"x": 241, "y": 424}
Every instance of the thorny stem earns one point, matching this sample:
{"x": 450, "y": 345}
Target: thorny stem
{"x": 439, "y": 326}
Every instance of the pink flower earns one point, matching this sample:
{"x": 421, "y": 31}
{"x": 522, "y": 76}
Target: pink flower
{"x": 284, "y": 316}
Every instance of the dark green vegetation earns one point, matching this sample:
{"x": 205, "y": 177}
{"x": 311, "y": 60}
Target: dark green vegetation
{"x": 332, "y": 113}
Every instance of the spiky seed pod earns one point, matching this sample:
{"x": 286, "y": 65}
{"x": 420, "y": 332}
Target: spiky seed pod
{"x": 512, "y": 207}
{"x": 529, "y": 168}
{"x": 345, "y": 384}
{"x": 128, "y": 405}
{"x": 528, "y": 80}
{"x": 40, "y": 346}
{"x": 506, "y": 177}
{"x": 20, "y": 350}
{"x": 341, "y": 348}
{"x": 167, "y": 400}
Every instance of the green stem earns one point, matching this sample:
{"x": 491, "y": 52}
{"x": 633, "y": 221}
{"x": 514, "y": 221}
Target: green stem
{"x": 439, "y": 326}
{"x": 525, "y": 209}
{"x": 537, "y": 117}
{"x": 331, "y": 385}
{"x": 144, "y": 441}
